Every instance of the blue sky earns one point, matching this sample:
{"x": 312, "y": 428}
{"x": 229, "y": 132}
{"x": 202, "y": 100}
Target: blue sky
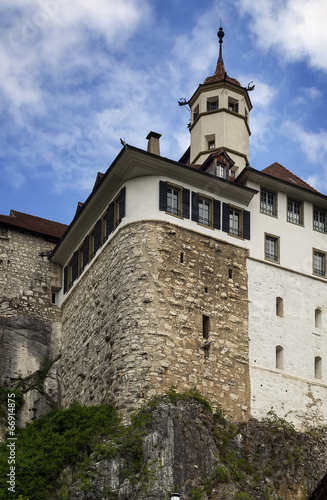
{"x": 76, "y": 76}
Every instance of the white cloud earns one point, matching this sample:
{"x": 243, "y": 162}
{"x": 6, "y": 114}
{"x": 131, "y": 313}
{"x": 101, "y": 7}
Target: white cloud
{"x": 295, "y": 28}
{"x": 313, "y": 144}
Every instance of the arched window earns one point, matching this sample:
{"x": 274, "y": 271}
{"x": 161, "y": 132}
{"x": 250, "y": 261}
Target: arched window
{"x": 279, "y": 307}
{"x": 279, "y": 357}
{"x": 318, "y": 318}
{"x": 318, "y": 367}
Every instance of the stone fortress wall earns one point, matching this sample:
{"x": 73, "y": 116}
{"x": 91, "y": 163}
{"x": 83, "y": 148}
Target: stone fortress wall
{"x": 159, "y": 306}
{"x": 30, "y": 325}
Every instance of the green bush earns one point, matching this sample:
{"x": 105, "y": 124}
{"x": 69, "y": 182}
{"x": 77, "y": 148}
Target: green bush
{"x": 59, "y": 439}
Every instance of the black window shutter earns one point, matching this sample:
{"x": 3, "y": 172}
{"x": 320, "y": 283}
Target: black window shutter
{"x": 110, "y": 219}
{"x": 186, "y": 203}
{"x": 75, "y": 265}
{"x": 122, "y": 202}
{"x": 195, "y": 207}
{"x": 86, "y": 250}
{"x": 65, "y": 279}
{"x": 225, "y": 218}
{"x": 216, "y": 214}
{"x": 246, "y": 225}
{"x": 97, "y": 235}
{"x": 163, "y": 196}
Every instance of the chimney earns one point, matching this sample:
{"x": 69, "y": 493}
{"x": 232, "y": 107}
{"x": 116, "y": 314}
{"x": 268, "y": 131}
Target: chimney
{"x": 153, "y": 143}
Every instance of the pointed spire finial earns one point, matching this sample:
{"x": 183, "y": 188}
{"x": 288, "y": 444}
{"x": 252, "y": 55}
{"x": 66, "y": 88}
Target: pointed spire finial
{"x": 220, "y": 35}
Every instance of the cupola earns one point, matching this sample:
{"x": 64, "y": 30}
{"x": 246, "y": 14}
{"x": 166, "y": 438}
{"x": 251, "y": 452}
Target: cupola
{"x": 220, "y": 109}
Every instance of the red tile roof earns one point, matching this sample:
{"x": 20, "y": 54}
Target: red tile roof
{"x": 277, "y": 170}
{"x": 34, "y": 224}
{"x": 220, "y": 75}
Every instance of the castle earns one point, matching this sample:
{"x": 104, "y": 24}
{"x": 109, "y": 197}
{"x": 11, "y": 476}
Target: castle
{"x": 202, "y": 272}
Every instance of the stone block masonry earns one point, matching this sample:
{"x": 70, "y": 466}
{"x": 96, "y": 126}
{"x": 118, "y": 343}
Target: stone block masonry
{"x": 159, "y": 306}
{"x": 30, "y": 324}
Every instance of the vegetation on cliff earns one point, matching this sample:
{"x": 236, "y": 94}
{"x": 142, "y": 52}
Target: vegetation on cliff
{"x": 177, "y": 442}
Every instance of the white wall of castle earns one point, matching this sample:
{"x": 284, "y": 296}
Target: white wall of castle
{"x": 292, "y": 390}
{"x": 296, "y": 242}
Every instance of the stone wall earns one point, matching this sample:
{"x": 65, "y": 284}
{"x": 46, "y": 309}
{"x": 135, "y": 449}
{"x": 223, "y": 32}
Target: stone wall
{"x": 30, "y": 328}
{"x": 133, "y": 323}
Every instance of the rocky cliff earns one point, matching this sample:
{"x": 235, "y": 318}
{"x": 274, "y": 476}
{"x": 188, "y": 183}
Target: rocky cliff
{"x": 201, "y": 455}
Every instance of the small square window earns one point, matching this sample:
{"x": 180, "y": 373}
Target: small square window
{"x": 205, "y": 211}
{"x": 212, "y": 103}
{"x": 268, "y": 203}
{"x": 211, "y": 144}
{"x": 294, "y": 212}
{"x": 233, "y": 105}
{"x": 319, "y": 263}
{"x": 272, "y": 248}
{"x": 319, "y": 220}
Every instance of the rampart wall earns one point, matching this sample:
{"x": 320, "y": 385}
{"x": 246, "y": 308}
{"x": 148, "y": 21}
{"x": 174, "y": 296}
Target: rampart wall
{"x": 159, "y": 306}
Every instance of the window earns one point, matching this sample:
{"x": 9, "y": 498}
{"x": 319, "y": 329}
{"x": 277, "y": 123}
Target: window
{"x": 319, "y": 266}
{"x": 212, "y": 103}
{"x": 318, "y": 318}
{"x": 174, "y": 200}
{"x": 195, "y": 113}
{"x": 236, "y": 221}
{"x": 233, "y": 105}
{"x": 268, "y": 203}
{"x": 205, "y": 211}
{"x": 205, "y": 326}
{"x": 294, "y": 212}
{"x": 319, "y": 220}
{"x": 221, "y": 171}
{"x": 279, "y": 307}
{"x": 235, "y": 226}
{"x": 279, "y": 358}
{"x": 211, "y": 144}
{"x": 115, "y": 212}
{"x": 272, "y": 248}
{"x": 318, "y": 367}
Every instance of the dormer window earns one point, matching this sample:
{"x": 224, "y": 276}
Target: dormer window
{"x": 212, "y": 103}
{"x": 221, "y": 171}
{"x": 233, "y": 105}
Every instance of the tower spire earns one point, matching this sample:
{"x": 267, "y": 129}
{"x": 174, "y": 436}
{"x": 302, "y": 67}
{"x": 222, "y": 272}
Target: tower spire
{"x": 220, "y": 35}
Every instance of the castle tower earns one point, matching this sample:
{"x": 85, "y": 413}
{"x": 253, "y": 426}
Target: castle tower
{"x": 220, "y": 117}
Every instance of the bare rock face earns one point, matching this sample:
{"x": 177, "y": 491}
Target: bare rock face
{"x": 28, "y": 354}
{"x": 189, "y": 451}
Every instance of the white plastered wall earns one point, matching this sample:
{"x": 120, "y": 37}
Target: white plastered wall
{"x": 293, "y": 391}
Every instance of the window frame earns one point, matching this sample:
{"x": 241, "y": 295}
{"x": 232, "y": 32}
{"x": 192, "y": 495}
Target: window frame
{"x": 179, "y": 190}
{"x": 319, "y": 210}
{"x": 291, "y": 200}
{"x": 212, "y": 101}
{"x": 220, "y": 168}
{"x": 268, "y": 193}
{"x": 233, "y": 105}
{"x": 277, "y": 240}
{"x": 323, "y": 255}
{"x": 239, "y": 211}
{"x": 204, "y": 198}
